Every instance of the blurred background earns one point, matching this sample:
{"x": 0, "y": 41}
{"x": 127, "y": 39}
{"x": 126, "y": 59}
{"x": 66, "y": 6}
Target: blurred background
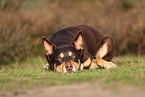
{"x": 24, "y": 22}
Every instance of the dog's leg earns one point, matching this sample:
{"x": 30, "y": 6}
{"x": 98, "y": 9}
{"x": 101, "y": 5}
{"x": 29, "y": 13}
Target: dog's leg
{"x": 106, "y": 49}
{"x": 87, "y": 62}
{"x": 103, "y": 50}
{"x": 93, "y": 65}
{"x": 100, "y": 63}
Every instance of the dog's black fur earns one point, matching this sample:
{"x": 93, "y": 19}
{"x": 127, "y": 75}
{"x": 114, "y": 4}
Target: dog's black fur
{"x": 70, "y": 46}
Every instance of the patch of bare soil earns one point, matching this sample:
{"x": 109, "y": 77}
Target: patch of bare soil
{"x": 93, "y": 89}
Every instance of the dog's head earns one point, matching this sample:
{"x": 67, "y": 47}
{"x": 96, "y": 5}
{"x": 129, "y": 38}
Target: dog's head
{"x": 66, "y": 58}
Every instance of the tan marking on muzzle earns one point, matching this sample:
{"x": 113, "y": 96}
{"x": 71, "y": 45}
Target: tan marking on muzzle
{"x": 75, "y": 65}
{"x": 60, "y": 67}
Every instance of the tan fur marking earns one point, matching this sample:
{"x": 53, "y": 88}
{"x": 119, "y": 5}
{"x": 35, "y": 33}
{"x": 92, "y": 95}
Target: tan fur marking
{"x": 61, "y": 55}
{"x": 59, "y": 68}
{"x": 102, "y": 51}
{"x": 105, "y": 64}
{"x": 87, "y": 62}
{"x": 94, "y": 65}
{"x": 70, "y": 53}
{"x": 62, "y": 68}
{"x": 46, "y": 66}
{"x": 75, "y": 65}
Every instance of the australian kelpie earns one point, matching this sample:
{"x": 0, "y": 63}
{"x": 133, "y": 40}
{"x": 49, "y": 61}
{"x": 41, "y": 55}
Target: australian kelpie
{"x": 78, "y": 47}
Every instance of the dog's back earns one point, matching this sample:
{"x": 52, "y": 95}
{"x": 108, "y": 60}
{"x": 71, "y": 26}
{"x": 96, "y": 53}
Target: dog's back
{"x": 65, "y": 36}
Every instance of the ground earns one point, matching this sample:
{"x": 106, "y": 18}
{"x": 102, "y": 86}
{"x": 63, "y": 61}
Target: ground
{"x": 29, "y": 79}
{"x": 85, "y": 89}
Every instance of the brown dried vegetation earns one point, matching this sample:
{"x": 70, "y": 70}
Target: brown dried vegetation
{"x": 23, "y": 22}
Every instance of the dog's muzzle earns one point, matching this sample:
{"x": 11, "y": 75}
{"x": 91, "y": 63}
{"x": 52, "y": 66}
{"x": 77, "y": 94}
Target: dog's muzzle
{"x": 69, "y": 67}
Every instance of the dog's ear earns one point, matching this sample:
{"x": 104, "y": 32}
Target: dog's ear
{"x": 78, "y": 41}
{"x": 49, "y": 47}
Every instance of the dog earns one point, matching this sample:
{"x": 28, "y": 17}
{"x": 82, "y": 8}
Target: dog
{"x": 78, "y": 47}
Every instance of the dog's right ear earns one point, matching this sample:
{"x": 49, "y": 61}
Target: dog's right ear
{"x": 49, "y": 47}
{"x": 78, "y": 42}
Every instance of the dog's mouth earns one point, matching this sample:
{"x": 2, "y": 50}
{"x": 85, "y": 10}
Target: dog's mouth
{"x": 68, "y": 67}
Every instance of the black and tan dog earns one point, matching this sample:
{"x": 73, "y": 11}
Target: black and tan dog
{"x": 78, "y": 47}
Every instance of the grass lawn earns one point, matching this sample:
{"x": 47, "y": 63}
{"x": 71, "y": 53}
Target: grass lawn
{"x": 30, "y": 73}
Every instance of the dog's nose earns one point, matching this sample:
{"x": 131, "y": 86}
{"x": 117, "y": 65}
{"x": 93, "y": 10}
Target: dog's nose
{"x": 69, "y": 67}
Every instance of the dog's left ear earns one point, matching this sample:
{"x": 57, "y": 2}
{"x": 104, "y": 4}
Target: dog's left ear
{"x": 78, "y": 41}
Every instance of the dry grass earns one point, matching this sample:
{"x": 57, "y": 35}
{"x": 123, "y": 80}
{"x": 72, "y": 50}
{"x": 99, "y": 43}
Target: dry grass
{"x": 22, "y": 23}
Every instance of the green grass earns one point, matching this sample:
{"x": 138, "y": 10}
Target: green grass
{"x": 30, "y": 73}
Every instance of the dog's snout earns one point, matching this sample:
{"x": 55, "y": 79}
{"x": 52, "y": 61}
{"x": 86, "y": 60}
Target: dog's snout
{"x": 69, "y": 66}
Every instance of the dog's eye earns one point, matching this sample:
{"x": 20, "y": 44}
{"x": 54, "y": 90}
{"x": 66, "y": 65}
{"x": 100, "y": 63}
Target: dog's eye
{"x": 60, "y": 59}
{"x": 72, "y": 56}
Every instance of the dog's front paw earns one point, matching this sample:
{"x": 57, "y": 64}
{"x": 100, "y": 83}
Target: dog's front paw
{"x": 46, "y": 66}
{"x": 104, "y": 64}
